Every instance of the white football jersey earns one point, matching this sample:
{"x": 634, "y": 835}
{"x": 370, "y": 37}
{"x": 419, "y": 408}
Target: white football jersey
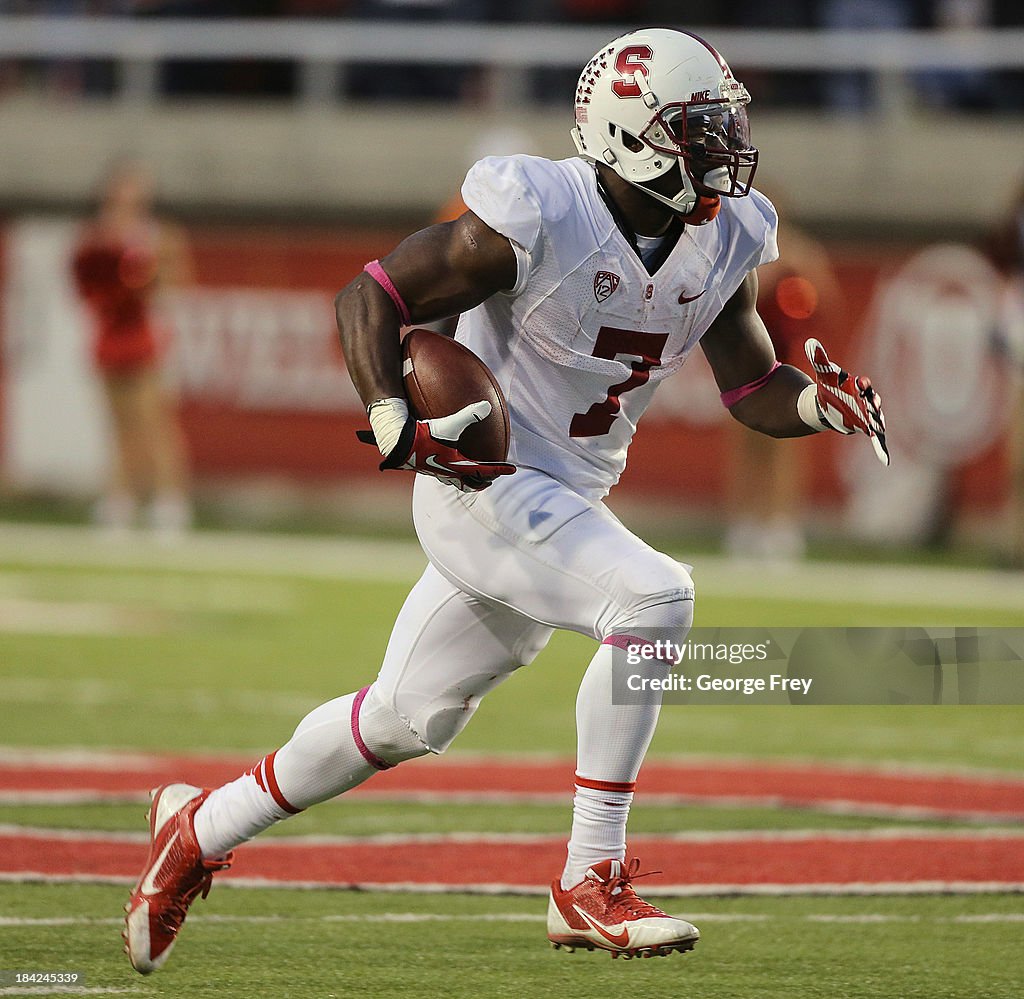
{"x": 581, "y": 342}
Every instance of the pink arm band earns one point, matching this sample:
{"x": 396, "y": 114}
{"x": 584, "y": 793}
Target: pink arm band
{"x": 374, "y": 269}
{"x": 733, "y": 396}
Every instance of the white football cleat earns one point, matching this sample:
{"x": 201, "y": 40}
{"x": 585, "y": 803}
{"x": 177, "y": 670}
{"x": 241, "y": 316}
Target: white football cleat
{"x": 604, "y": 912}
{"x": 174, "y": 875}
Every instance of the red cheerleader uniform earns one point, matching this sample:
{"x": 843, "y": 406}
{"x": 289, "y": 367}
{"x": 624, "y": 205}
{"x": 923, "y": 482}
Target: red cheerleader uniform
{"x": 114, "y": 278}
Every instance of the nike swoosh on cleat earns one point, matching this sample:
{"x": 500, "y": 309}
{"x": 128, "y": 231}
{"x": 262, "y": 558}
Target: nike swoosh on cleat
{"x": 683, "y": 298}
{"x": 619, "y": 939}
{"x": 148, "y": 885}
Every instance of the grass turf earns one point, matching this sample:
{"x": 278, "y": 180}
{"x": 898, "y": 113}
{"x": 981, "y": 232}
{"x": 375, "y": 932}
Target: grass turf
{"x": 231, "y": 660}
{"x": 244, "y": 942}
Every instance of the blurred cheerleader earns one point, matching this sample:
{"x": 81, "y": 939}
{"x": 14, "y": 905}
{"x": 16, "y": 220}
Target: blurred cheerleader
{"x": 125, "y": 257}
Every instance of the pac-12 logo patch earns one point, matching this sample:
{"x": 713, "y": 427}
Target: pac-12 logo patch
{"x": 604, "y": 284}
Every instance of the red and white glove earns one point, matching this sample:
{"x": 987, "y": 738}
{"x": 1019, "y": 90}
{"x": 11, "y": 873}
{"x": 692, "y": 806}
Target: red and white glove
{"x": 430, "y": 446}
{"x": 842, "y": 401}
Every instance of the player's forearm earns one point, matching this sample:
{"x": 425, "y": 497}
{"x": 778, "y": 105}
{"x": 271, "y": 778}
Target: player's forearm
{"x": 772, "y": 409}
{"x": 368, "y": 327}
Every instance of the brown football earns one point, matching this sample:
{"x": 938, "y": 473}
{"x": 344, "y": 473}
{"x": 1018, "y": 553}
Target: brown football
{"x": 442, "y": 376}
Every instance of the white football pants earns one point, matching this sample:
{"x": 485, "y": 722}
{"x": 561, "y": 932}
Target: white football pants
{"x": 507, "y": 567}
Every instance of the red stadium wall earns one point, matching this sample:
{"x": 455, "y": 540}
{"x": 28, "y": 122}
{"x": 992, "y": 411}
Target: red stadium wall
{"x": 228, "y": 439}
{"x": 264, "y": 392}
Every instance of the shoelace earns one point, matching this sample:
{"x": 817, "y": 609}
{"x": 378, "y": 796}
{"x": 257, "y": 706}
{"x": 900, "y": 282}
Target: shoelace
{"x": 174, "y": 914}
{"x": 624, "y": 898}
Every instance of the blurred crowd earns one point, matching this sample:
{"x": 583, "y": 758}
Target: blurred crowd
{"x": 940, "y": 88}
{"x": 788, "y": 13}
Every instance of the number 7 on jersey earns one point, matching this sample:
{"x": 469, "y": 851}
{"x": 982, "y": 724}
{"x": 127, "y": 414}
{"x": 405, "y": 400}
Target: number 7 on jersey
{"x": 611, "y": 342}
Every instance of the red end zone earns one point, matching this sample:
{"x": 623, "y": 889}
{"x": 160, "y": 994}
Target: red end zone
{"x": 881, "y": 860}
{"x": 833, "y": 863}
{"x": 887, "y": 793}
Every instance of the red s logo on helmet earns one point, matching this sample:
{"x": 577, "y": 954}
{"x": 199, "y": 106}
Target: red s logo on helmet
{"x": 628, "y": 63}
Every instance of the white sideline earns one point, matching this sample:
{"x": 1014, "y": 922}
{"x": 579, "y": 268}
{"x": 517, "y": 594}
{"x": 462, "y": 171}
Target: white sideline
{"x": 497, "y": 888}
{"x": 519, "y": 917}
{"x": 401, "y": 561}
{"x": 884, "y": 833}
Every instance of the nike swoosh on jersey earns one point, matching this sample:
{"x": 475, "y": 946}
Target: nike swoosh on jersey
{"x": 619, "y": 939}
{"x": 684, "y": 298}
{"x": 148, "y": 885}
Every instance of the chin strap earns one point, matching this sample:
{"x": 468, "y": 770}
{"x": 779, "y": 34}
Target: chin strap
{"x": 704, "y": 211}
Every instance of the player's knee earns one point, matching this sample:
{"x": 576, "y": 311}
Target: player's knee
{"x": 386, "y": 733}
{"x": 667, "y": 614}
{"x": 663, "y": 608}
{"x": 439, "y": 718}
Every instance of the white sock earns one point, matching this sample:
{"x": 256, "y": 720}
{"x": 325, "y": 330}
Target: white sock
{"x": 612, "y": 742}
{"x": 321, "y": 760}
{"x": 598, "y": 831}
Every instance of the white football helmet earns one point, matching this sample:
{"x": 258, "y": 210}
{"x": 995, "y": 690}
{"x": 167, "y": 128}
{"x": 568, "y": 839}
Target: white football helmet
{"x": 656, "y": 98}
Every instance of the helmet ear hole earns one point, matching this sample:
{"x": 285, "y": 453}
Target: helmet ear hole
{"x": 631, "y": 142}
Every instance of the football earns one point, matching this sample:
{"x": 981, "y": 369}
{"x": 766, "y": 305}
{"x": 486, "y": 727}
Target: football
{"x": 441, "y": 376}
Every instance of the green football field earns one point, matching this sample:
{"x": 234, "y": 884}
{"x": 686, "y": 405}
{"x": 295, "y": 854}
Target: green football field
{"x": 223, "y": 644}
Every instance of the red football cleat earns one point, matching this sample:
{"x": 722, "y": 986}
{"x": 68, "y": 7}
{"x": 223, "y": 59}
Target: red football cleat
{"x": 604, "y": 912}
{"x": 174, "y": 875}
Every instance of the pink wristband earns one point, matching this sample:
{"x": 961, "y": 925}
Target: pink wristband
{"x": 733, "y": 396}
{"x": 374, "y": 269}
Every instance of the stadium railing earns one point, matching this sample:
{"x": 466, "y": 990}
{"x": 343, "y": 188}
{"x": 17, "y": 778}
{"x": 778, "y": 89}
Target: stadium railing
{"x": 322, "y": 50}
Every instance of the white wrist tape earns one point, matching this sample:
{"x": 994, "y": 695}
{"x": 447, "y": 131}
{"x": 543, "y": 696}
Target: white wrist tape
{"x": 807, "y": 408}
{"x": 387, "y": 417}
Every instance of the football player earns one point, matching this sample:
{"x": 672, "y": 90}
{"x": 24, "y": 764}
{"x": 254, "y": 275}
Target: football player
{"x": 583, "y": 284}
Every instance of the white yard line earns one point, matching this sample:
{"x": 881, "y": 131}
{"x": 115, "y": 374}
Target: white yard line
{"x": 78, "y": 757}
{"x": 177, "y": 592}
{"x": 663, "y": 891}
{"x": 75, "y": 617}
{"x": 87, "y": 603}
{"x": 222, "y": 552}
{"x": 16, "y": 922}
{"x": 71, "y": 835}
{"x": 63, "y": 990}
{"x": 497, "y": 888}
{"x": 469, "y": 838}
{"x": 57, "y": 798}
